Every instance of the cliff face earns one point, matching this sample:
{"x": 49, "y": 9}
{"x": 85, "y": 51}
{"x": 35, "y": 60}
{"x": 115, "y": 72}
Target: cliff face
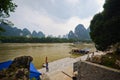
{"x": 80, "y": 33}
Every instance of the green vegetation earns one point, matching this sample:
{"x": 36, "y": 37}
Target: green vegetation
{"x": 110, "y": 60}
{"x": 6, "y": 6}
{"x": 15, "y": 39}
{"x": 105, "y": 26}
{"x": 34, "y": 40}
{"x": 105, "y": 33}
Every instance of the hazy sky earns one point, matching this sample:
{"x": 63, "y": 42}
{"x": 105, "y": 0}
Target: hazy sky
{"x": 54, "y": 17}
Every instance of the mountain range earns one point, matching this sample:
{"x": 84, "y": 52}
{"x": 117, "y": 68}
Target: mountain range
{"x": 80, "y": 33}
{"x": 14, "y": 31}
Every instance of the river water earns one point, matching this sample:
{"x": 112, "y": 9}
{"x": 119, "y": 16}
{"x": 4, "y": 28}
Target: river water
{"x": 54, "y": 51}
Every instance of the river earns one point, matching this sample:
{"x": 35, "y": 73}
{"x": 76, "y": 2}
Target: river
{"x": 54, "y": 51}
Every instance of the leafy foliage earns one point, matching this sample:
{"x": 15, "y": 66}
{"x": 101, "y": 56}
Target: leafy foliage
{"x": 6, "y": 6}
{"x": 105, "y": 26}
{"x": 14, "y": 39}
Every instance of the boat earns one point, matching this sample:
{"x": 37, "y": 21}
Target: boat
{"x": 80, "y": 51}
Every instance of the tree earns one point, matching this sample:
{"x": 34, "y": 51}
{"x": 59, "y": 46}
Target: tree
{"x": 6, "y": 6}
{"x": 105, "y": 26}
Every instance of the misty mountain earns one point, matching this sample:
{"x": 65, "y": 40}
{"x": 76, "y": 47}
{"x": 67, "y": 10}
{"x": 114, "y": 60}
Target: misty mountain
{"x": 10, "y": 31}
{"x": 80, "y": 33}
{"x": 71, "y": 35}
{"x": 26, "y": 32}
{"x": 39, "y": 34}
{"x": 14, "y": 31}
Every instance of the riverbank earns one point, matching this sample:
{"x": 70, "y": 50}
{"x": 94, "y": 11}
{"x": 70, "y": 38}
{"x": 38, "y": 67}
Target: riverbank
{"x": 54, "y": 51}
{"x": 63, "y": 69}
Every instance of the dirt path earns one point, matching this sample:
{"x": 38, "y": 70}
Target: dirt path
{"x": 63, "y": 69}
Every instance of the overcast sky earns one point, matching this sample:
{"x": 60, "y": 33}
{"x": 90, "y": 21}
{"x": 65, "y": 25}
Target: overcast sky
{"x": 54, "y": 17}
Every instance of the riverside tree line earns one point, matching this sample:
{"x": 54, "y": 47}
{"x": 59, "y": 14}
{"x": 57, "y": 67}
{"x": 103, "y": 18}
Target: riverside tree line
{"x": 4, "y": 39}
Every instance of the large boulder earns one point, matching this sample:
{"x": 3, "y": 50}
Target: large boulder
{"x": 18, "y": 70}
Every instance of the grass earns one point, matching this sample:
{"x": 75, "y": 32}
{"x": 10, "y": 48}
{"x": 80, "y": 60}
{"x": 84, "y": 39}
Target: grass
{"x": 76, "y": 55}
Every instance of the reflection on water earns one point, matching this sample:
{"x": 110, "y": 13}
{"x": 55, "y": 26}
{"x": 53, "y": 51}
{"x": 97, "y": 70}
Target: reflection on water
{"x": 38, "y": 51}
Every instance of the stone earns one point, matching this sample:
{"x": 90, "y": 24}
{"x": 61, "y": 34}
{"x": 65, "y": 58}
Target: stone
{"x": 18, "y": 70}
{"x": 96, "y": 59}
